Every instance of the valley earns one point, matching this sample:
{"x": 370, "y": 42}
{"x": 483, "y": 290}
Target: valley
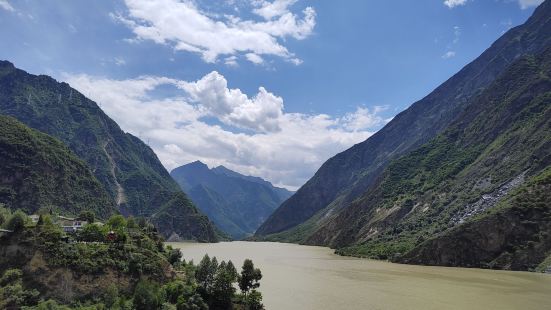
{"x": 185, "y": 155}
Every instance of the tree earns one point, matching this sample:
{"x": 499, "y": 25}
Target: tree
{"x": 205, "y": 273}
{"x": 223, "y": 290}
{"x": 87, "y": 215}
{"x": 12, "y": 293}
{"x": 254, "y": 300}
{"x": 176, "y": 289}
{"x": 17, "y": 221}
{"x": 230, "y": 268}
{"x": 111, "y": 295}
{"x": 91, "y": 233}
{"x": 147, "y": 296}
{"x": 250, "y": 277}
{"x": 194, "y": 302}
{"x": 117, "y": 222}
{"x": 173, "y": 255}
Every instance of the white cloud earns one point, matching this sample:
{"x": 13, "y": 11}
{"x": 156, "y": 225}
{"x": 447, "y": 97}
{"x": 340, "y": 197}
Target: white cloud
{"x": 453, "y": 3}
{"x": 524, "y": 4}
{"x": 363, "y": 119}
{"x": 183, "y": 26}
{"x": 261, "y": 113}
{"x": 448, "y": 55}
{"x": 269, "y": 10}
{"x": 254, "y": 58}
{"x": 4, "y": 4}
{"x": 231, "y": 61}
{"x": 285, "y": 148}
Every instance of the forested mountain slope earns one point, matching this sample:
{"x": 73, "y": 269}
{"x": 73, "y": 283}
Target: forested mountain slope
{"x": 129, "y": 170}
{"x": 38, "y": 171}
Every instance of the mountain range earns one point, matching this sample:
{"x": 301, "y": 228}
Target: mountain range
{"x": 130, "y": 174}
{"x": 459, "y": 178}
{"x": 236, "y": 203}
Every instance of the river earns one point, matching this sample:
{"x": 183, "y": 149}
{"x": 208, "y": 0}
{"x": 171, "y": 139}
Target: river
{"x": 306, "y": 277}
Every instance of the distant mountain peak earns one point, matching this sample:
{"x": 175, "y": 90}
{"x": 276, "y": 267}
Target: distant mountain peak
{"x": 197, "y": 163}
{"x": 237, "y": 203}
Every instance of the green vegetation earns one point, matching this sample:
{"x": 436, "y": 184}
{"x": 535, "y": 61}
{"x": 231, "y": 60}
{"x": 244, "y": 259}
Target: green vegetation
{"x": 39, "y": 171}
{"x": 122, "y": 264}
{"x": 126, "y": 172}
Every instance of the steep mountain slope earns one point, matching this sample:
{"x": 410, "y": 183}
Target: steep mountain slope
{"x": 236, "y": 203}
{"x": 347, "y": 175}
{"x": 37, "y": 170}
{"x": 515, "y": 235}
{"x": 129, "y": 170}
{"x": 462, "y": 184}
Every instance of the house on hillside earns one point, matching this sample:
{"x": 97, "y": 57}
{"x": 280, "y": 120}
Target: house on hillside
{"x": 70, "y": 225}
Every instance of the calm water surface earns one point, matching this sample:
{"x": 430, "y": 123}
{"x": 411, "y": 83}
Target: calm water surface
{"x": 304, "y": 277}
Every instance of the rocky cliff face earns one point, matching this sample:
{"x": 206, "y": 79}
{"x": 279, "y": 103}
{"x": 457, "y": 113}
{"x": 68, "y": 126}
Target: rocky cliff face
{"x": 349, "y": 174}
{"x": 514, "y": 236}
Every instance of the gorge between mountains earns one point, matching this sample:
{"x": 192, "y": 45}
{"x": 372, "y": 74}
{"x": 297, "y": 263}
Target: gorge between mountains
{"x": 446, "y": 206}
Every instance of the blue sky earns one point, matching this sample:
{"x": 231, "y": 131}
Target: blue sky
{"x": 269, "y": 88}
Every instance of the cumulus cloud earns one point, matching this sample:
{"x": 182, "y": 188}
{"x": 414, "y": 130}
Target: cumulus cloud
{"x": 261, "y": 113}
{"x": 182, "y": 25}
{"x": 453, "y": 3}
{"x": 285, "y": 148}
{"x": 4, "y": 4}
{"x": 524, "y": 4}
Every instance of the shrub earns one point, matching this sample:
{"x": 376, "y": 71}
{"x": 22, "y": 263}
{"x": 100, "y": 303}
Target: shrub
{"x": 117, "y": 222}
{"x": 17, "y": 221}
{"x": 147, "y": 296}
{"x": 91, "y": 233}
{"x": 87, "y": 215}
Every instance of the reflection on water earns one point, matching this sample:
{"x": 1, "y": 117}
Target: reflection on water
{"x": 304, "y": 277}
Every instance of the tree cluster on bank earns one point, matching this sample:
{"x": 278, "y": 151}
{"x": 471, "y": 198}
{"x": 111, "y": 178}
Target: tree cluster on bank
{"x": 158, "y": 277}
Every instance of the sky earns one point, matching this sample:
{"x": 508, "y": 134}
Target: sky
{"x": 270, "y": 88}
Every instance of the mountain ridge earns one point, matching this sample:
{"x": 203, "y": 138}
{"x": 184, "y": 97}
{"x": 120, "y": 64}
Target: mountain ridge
{"x": 236, "y": 203}
{"x": 129, "y": 170}
{"x": 344, "y": 177}
{"x": 462, "y": 181}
